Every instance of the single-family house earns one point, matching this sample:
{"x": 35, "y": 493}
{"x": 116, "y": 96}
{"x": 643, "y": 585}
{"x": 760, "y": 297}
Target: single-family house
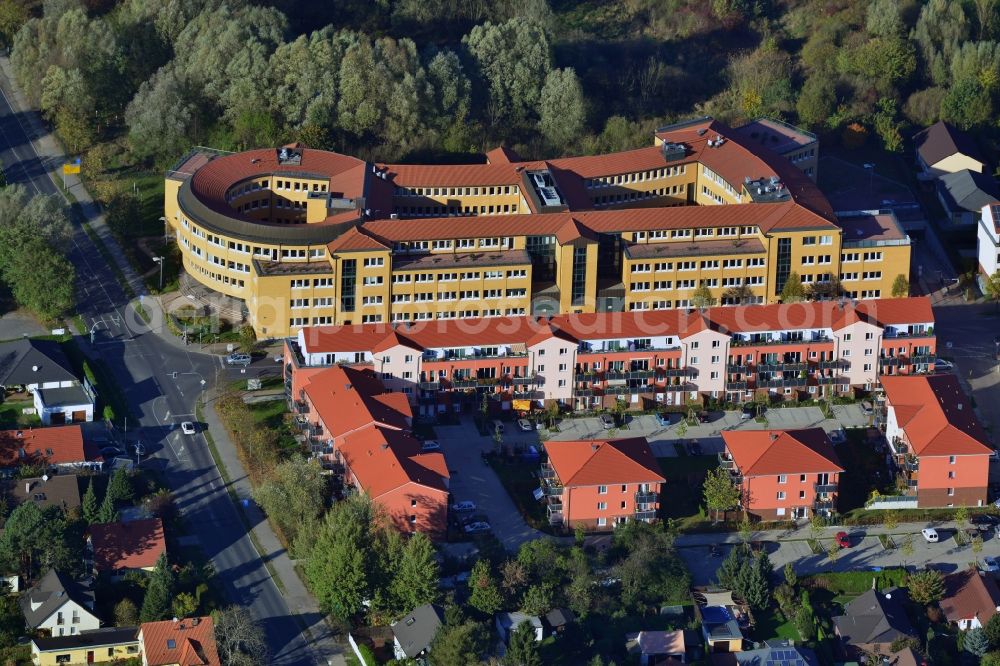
{"x": 61, "y": 605}
{"x": 179, "y": 642}
{"x": 57, "y": 448}
{"x": 721, "y": 629}
{"x": 943, "y": 149}
{"x": 771, "y": 653}
{"x": 964, "y": 194}
{"x": 783, "y": 474}
{"x": 873, "y": 621}
{"x": 413, "y": 634}
{"x": 558, "y": 619}
{"x": 41, "y": 368}
{"x": 61, "y": 490}
{"x": 656, "y": 647}
{"x": 939, "y": 446}
{"x": 506, "y": 623}
{"x": 111, "y": 644}
{"x": 970, "y": 599}
{"x": 598, "y": 484}
{"x": 122, "y": 547}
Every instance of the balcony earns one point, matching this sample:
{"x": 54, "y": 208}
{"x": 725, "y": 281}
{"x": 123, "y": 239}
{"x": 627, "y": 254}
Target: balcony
{"x": 523, "y": 381}
{"x": 555, "y": 513}
{"x": 646, "y": 498}
{"x": 763, "y": 342}
{"x": 830, "y": 380}
{"x": 674, "y": 372}
{"x": 825, "y": 487}
{"x": 784, "y": 367}
{"x": 546, "y": 472}
{"x": 464, "y": 383}
{"x": 911, "y": 484}
{"x": 552, "y": 491}
{"x": 726, "y": 462}
{"x": 742, "y": 369}
{"x": 923, "y": 358}
{"x": 738, "y": 386}
{"x": 823, "y": 505}
{"x": 429, "y": 386}
{"x": 782, "y": 382}
{"x": 831, "y": 365}
{"x": 889, "y": 360}
{"x": 645, "y": 515}
{"x": 911, "y": 464}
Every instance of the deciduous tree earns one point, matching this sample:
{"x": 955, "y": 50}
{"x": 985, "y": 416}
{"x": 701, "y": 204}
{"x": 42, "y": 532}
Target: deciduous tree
{"x": 240, "y": 638}
{"x": 416, "y": 577}
{"x": 793, "y": 291}
{"x": 293, "y": 496}
{"x": 719, "y": 491}
{"x": 562, "y": 108}
{"x": 900, "y": 286}
{"x": 926, "y": 586}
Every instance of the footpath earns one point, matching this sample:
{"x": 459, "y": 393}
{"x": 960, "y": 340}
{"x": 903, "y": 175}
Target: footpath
{"x": 804, "y": 531}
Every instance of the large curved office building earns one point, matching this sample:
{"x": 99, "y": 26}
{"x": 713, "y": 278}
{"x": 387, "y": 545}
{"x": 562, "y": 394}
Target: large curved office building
{"x": 307, "y": 237}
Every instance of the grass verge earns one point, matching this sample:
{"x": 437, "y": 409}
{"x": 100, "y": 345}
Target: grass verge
{"x": 224, "y": 473}
{"x": 109, "y": 393}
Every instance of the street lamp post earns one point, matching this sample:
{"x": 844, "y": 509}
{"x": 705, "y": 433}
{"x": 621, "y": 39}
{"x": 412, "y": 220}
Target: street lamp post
{"x": 166, "y": 236}
{"x": 159, "y": 260}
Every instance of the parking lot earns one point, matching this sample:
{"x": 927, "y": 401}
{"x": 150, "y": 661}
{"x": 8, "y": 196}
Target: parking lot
{"x": 709, "y": 435}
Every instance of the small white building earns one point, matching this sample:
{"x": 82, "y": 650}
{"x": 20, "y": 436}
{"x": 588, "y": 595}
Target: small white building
{"x": 61, "y": 605}
{"x": 41, "y": 369}
{"x": 506, "y": 623}
{"x": 988, "y": 240}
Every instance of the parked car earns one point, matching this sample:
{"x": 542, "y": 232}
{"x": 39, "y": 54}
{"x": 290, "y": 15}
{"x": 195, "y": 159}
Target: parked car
{"x": 607, "y": 421}
{"x": 463, "y": 506}
{"x": 930, "y": 535}
{"x": 188, "y": 428}
{"x": 239, "y": 359}
{"x": 525, "y": 425}
{"x": 867, "y": 407}
{"x": 704, "y": 416}
{"x": 983, "y": 522}
{"x": 751, "y": 410}
{"x": 843, "y": 540}
{"x": 941, "y": 365}
{"x": 990, "y": 564}
{"x": 477, "y": 528}
{"x": 662, "y": 419}
{"x": 430, "y": 445}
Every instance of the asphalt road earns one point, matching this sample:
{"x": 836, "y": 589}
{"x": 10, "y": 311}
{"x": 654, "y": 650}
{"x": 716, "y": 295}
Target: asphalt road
{"x": 162, "y": 383}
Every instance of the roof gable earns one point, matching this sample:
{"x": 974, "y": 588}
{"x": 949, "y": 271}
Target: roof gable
{"x": 52, "y": 592}
{"x": 936, "y": 415}
{"x": 602, "y": 462}
{"x": 133, "y": 545}
{"x": 970, "y": 594}
{"x": 941, "y": 140}
{"x": 770, "y": 452}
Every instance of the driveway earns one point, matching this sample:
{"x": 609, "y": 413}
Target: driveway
{"x": 709, "y": 435}
{"x": 472, "y": 479}
{"x": 19, "y": 324}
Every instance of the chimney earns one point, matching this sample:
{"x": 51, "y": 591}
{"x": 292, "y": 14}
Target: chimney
{"x": 195, "y": 621}
{"x": 774, "y": 436}
{"x": 27, "y": 487}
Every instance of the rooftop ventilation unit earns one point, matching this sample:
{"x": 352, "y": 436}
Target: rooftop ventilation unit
{"x": 673, "y": 152}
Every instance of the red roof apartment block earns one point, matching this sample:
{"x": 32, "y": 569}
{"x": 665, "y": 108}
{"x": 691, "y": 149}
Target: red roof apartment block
{"x": 600, "y": 484}
{"x": 940, "y": 447}
{"x": 784, "y": 474}
{"x": 122, "y": 547}
{"x": 179, "y": 642}
{"x": 359, "y": 429}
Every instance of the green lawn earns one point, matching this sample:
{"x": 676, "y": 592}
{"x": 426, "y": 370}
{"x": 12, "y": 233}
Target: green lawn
{"x": 11, "y": 416}
{"x": 519, "y": 479}
{"x": 770, "y": 625}
{"x": 685, "y": 476}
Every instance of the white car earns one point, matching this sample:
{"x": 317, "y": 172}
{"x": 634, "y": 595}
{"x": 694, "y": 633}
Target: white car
{"x": 525, "y": 425}
{"x": 464, "y": 506}
{"x": 990, "y": 564}
{"x": 477, "y": 528}
{"x": 930, "y": 534}
{"x": 430, "y": 445}
{"x": 188, "y": 428}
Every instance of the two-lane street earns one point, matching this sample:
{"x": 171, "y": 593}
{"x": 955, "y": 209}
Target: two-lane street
{"x": 162, "y": 382}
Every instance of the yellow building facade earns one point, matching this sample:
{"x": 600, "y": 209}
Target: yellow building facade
{"x": 306, "y": 237}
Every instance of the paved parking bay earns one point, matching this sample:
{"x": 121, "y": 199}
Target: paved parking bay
{"x": 472, "y": 479}
{"x": 709, "y": 435}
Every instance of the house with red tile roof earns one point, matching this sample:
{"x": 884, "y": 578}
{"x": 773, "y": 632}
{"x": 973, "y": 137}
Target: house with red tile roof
{"x": 783, "y": 474}
{"x": 122, "y": 547}
{"x": 179, "y": 642}
{"x": 941, "y": 450}
{"x": 362, "y": 432}
{"x": 598, "y": 484}
{"x": 971, "y": 598}
{"x": 56, "y": 446}
{"x": 661, "y": 357}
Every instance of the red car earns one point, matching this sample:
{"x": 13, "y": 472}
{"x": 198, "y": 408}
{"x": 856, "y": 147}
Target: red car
{"x": 842, "y": 540}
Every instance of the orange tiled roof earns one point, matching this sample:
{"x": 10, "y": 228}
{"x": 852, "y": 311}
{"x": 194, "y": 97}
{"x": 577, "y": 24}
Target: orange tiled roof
{"x": 436, "y": 334}
{"x": 59, "y": 445}
{"x": 770, "y": 452}
{"x": 384, "y": 460}
{"x": 938, "y": 418}
{"x": 354, "y": 240}
{"x": 134, "y": 545}
{"x": 502, "y": 155}
{"x": 349, "y": 398}
{"x": 598, "y": 462}
{"x": 186, "y": 642}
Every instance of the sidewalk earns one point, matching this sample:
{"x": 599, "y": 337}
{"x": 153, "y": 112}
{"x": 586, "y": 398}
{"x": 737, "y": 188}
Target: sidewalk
{"x": 804, "y": 531}
{"x": 298, "y": 598}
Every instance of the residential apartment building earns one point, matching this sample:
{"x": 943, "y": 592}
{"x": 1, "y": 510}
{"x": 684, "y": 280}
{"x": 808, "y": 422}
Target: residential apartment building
{"x": 598, "y": 484}
{"x": 669, "y": 357}
{"x": 940, "y": 449}
{"x": 307, "y": 237}
{"x": 988, "y": 241}
{"x": 362, "y": 434}
{"x": 783, "y": 474}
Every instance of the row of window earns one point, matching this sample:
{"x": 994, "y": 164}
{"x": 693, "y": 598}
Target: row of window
{"x": 407, "y": 278}
{"x": 456, "y": 191}
{"x": 847, "y": 257}
{"x": 505, "y": 242}
{"x": 488, "y": 312}
{"x": 613, "y": 199}
{"x": 441, "y": 211}
{"x": 637, "y": 177}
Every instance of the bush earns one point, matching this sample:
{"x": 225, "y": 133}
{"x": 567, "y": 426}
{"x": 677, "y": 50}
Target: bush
{"x": 367, "y": 655}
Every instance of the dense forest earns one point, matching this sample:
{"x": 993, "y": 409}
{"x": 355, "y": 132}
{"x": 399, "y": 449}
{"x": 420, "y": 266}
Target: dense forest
{"x": 420, "y": 79}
